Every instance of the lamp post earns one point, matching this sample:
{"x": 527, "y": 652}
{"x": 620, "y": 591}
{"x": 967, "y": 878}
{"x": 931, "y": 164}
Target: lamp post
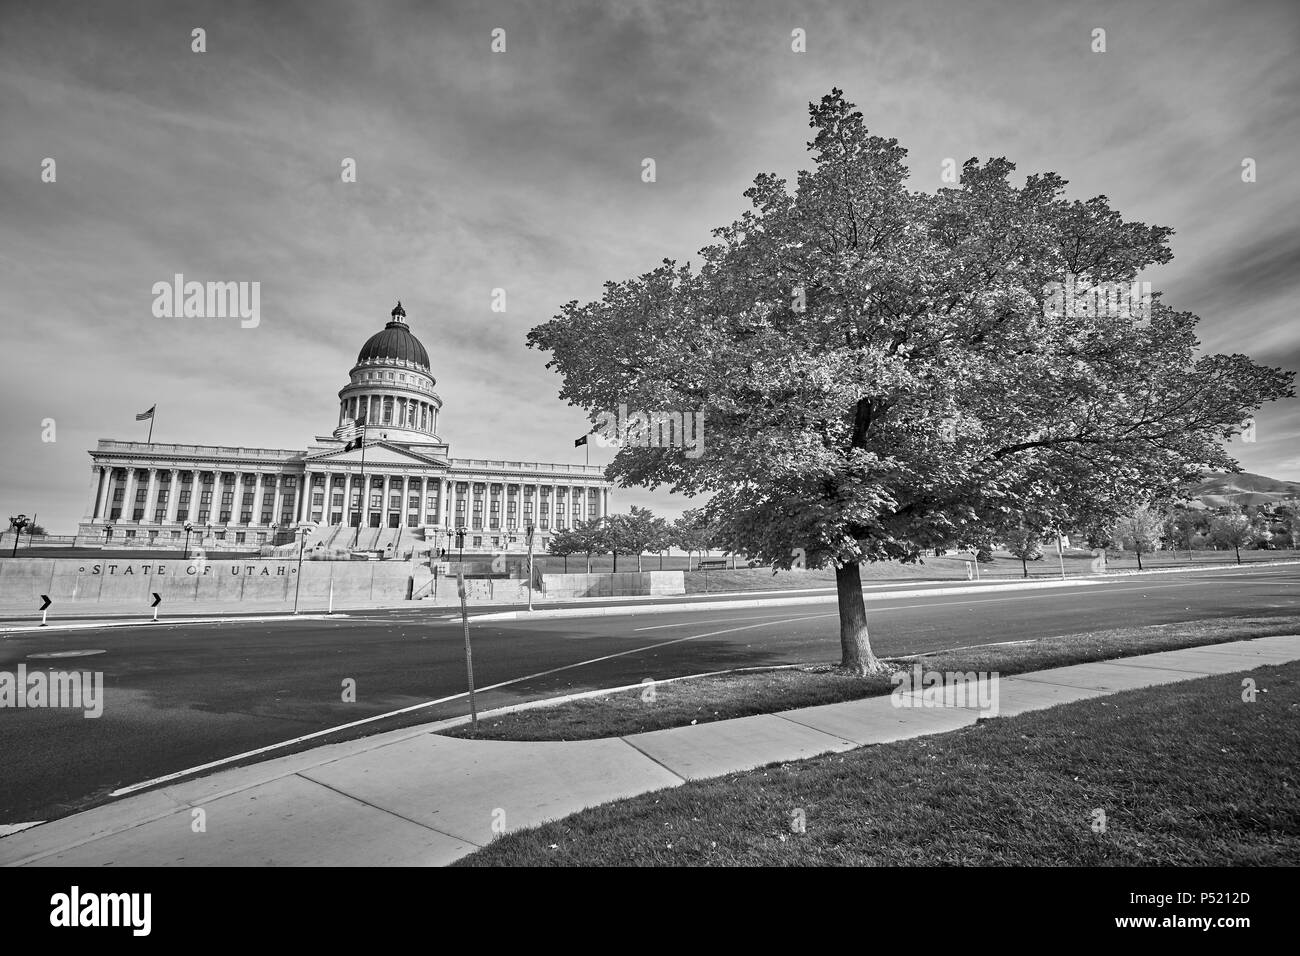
{"x": 188, "y": 528}
{"x": 530, "y": 567}
{"x": 302, "y": 541}
{"x": 18, "y": 524}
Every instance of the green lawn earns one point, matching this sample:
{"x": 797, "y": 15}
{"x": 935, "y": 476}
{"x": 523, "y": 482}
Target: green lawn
{"x": 727, "y": 696}
{"x": 1186, "y": 774}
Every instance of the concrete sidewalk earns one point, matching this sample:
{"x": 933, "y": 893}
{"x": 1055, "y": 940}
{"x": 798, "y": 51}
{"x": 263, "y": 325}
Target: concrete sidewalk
{"x": 412, "y": 797}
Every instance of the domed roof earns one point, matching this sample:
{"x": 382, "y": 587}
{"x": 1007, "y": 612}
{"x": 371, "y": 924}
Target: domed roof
{"x": 395, "y": 341}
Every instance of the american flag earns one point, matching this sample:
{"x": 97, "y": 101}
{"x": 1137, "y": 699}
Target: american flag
{"x": 145, "y": 416}
{"x": 355, "y": 429}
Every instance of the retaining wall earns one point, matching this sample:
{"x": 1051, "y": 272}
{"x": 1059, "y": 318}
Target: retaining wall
{"x": 129, "y": 581}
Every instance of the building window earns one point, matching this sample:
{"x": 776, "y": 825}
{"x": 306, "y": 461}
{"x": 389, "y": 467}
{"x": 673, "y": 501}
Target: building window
{"x": 115, "y": 514}
{"x": 318, "y": 481}
{"x": 245, "y": 517}
{"x": 318, "y": 498}
{"x": 261, "y": 537}
{"x": 185, "y": 500}
{"x": 478, "y": 542}
{"x": 130, "y": 534}
{"x": 412, "y": 520}
{"x": 286, "y": 518}
{"x": 137, "y": 514}
{"x": 432, "y": 504}
{"x": 290, "y": 481}
{"x": 266, "y": 517}
{"x": 139, "y": 495}
{"x": 119, "y": 494}
{"x": 225, "y": 517}
{"x": 227, "y": 498}
{"x": 220, "y": 536}
{"x": 239, "y": 537}
{"x": 376, "y": 501}
{"x": 413, "y": 502}
{"x": 203, "y": 514}
{"x": 337, "y": 499}
{"x": 395, "y": 502}
{"x": 248, "y": 499}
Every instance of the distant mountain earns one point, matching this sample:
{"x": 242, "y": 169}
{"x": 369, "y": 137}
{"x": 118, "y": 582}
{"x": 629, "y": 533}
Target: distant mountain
{"x": 1222, "y": 490}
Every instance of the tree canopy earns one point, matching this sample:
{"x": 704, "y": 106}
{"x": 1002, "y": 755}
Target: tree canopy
{"x": 882, "y": 372}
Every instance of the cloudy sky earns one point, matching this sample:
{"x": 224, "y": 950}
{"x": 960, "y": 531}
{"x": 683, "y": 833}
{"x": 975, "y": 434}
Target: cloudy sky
{"x": 521, "y": 170}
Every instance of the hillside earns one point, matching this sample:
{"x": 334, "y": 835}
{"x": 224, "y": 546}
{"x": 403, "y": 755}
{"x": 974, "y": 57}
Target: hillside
{"x": 1221, "y": 490}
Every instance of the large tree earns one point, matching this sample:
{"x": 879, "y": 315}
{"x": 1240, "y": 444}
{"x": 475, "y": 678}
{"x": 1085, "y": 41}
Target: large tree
{"x": 882, "y": 371}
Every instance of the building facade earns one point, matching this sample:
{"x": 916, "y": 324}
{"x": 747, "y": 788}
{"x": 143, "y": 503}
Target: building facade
{"x": 382, "y": 481}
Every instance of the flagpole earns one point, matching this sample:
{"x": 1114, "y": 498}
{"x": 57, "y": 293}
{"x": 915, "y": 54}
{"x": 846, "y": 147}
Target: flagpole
{"x": 152, "y": 412}
{"x": 361, "y": 505}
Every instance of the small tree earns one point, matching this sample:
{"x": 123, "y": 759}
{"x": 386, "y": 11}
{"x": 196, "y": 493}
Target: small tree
{"x": 1024, "y": 544}
{"x": 1143, "y": 529}
{"x": 690, "y": 532}
{"x": 594, "y": 538}
{"x": 1233, "y": 531}
{"x": 565, "y": 543}
{"x": 633, "y": 533}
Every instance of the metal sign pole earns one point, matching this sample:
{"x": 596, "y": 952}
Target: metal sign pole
{"x": 469, "y": 654}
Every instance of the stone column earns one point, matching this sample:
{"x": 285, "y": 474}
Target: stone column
{"x": 96, "y": 479}
{"x": 101, "y": 492}
{"x": 277, "y": 499}
{"x": 383, "y": 502}
{"x": 128, "y": 496}
{"x": 237, "y": 499}
{"x": 173, "y": 497}
{"x": 150, "y": 496}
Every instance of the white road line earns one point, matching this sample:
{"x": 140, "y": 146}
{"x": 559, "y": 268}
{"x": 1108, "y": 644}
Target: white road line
{"x": 432, "y": 703}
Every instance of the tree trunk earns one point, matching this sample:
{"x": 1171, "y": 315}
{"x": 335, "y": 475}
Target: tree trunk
{"x": 1237, "y": 548}
{"x": 855, "y": 647}
{"x": 1139, "y": 554}
{"x": 1024, "y": 563}
{"x": 638, "y": 562}
{"x": 566, "y": 564}
{"x": 615, "y": 562}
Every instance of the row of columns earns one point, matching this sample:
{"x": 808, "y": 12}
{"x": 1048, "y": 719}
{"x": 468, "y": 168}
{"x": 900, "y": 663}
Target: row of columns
{"x": 104, "y": 480}
{"x": 298, "y": 502}
{"x": 407, "y": 412}
{"x": 446, "y": 494}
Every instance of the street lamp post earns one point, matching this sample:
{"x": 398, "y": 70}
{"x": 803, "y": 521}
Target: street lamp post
{"x": 18, "y": 524}
{"x": 302, "y": 541}
{"x": 530, "y": 567}
{"x": 188, "y": 528}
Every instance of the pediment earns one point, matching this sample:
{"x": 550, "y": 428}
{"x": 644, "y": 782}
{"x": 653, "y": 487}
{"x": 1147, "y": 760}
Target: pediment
{"x": 377, "y": 453}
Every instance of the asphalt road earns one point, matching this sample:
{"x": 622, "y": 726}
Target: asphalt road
{"x": 178, "y": 697}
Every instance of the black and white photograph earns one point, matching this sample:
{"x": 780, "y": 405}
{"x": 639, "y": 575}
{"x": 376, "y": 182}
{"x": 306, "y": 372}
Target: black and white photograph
{"x": 654, "y": 434}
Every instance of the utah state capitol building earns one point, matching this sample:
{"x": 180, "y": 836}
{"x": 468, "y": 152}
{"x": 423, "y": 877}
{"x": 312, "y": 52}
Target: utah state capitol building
{"x": 389, "y": 485}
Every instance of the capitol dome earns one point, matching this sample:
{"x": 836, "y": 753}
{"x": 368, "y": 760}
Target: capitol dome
{"x": 394, "y": 342}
